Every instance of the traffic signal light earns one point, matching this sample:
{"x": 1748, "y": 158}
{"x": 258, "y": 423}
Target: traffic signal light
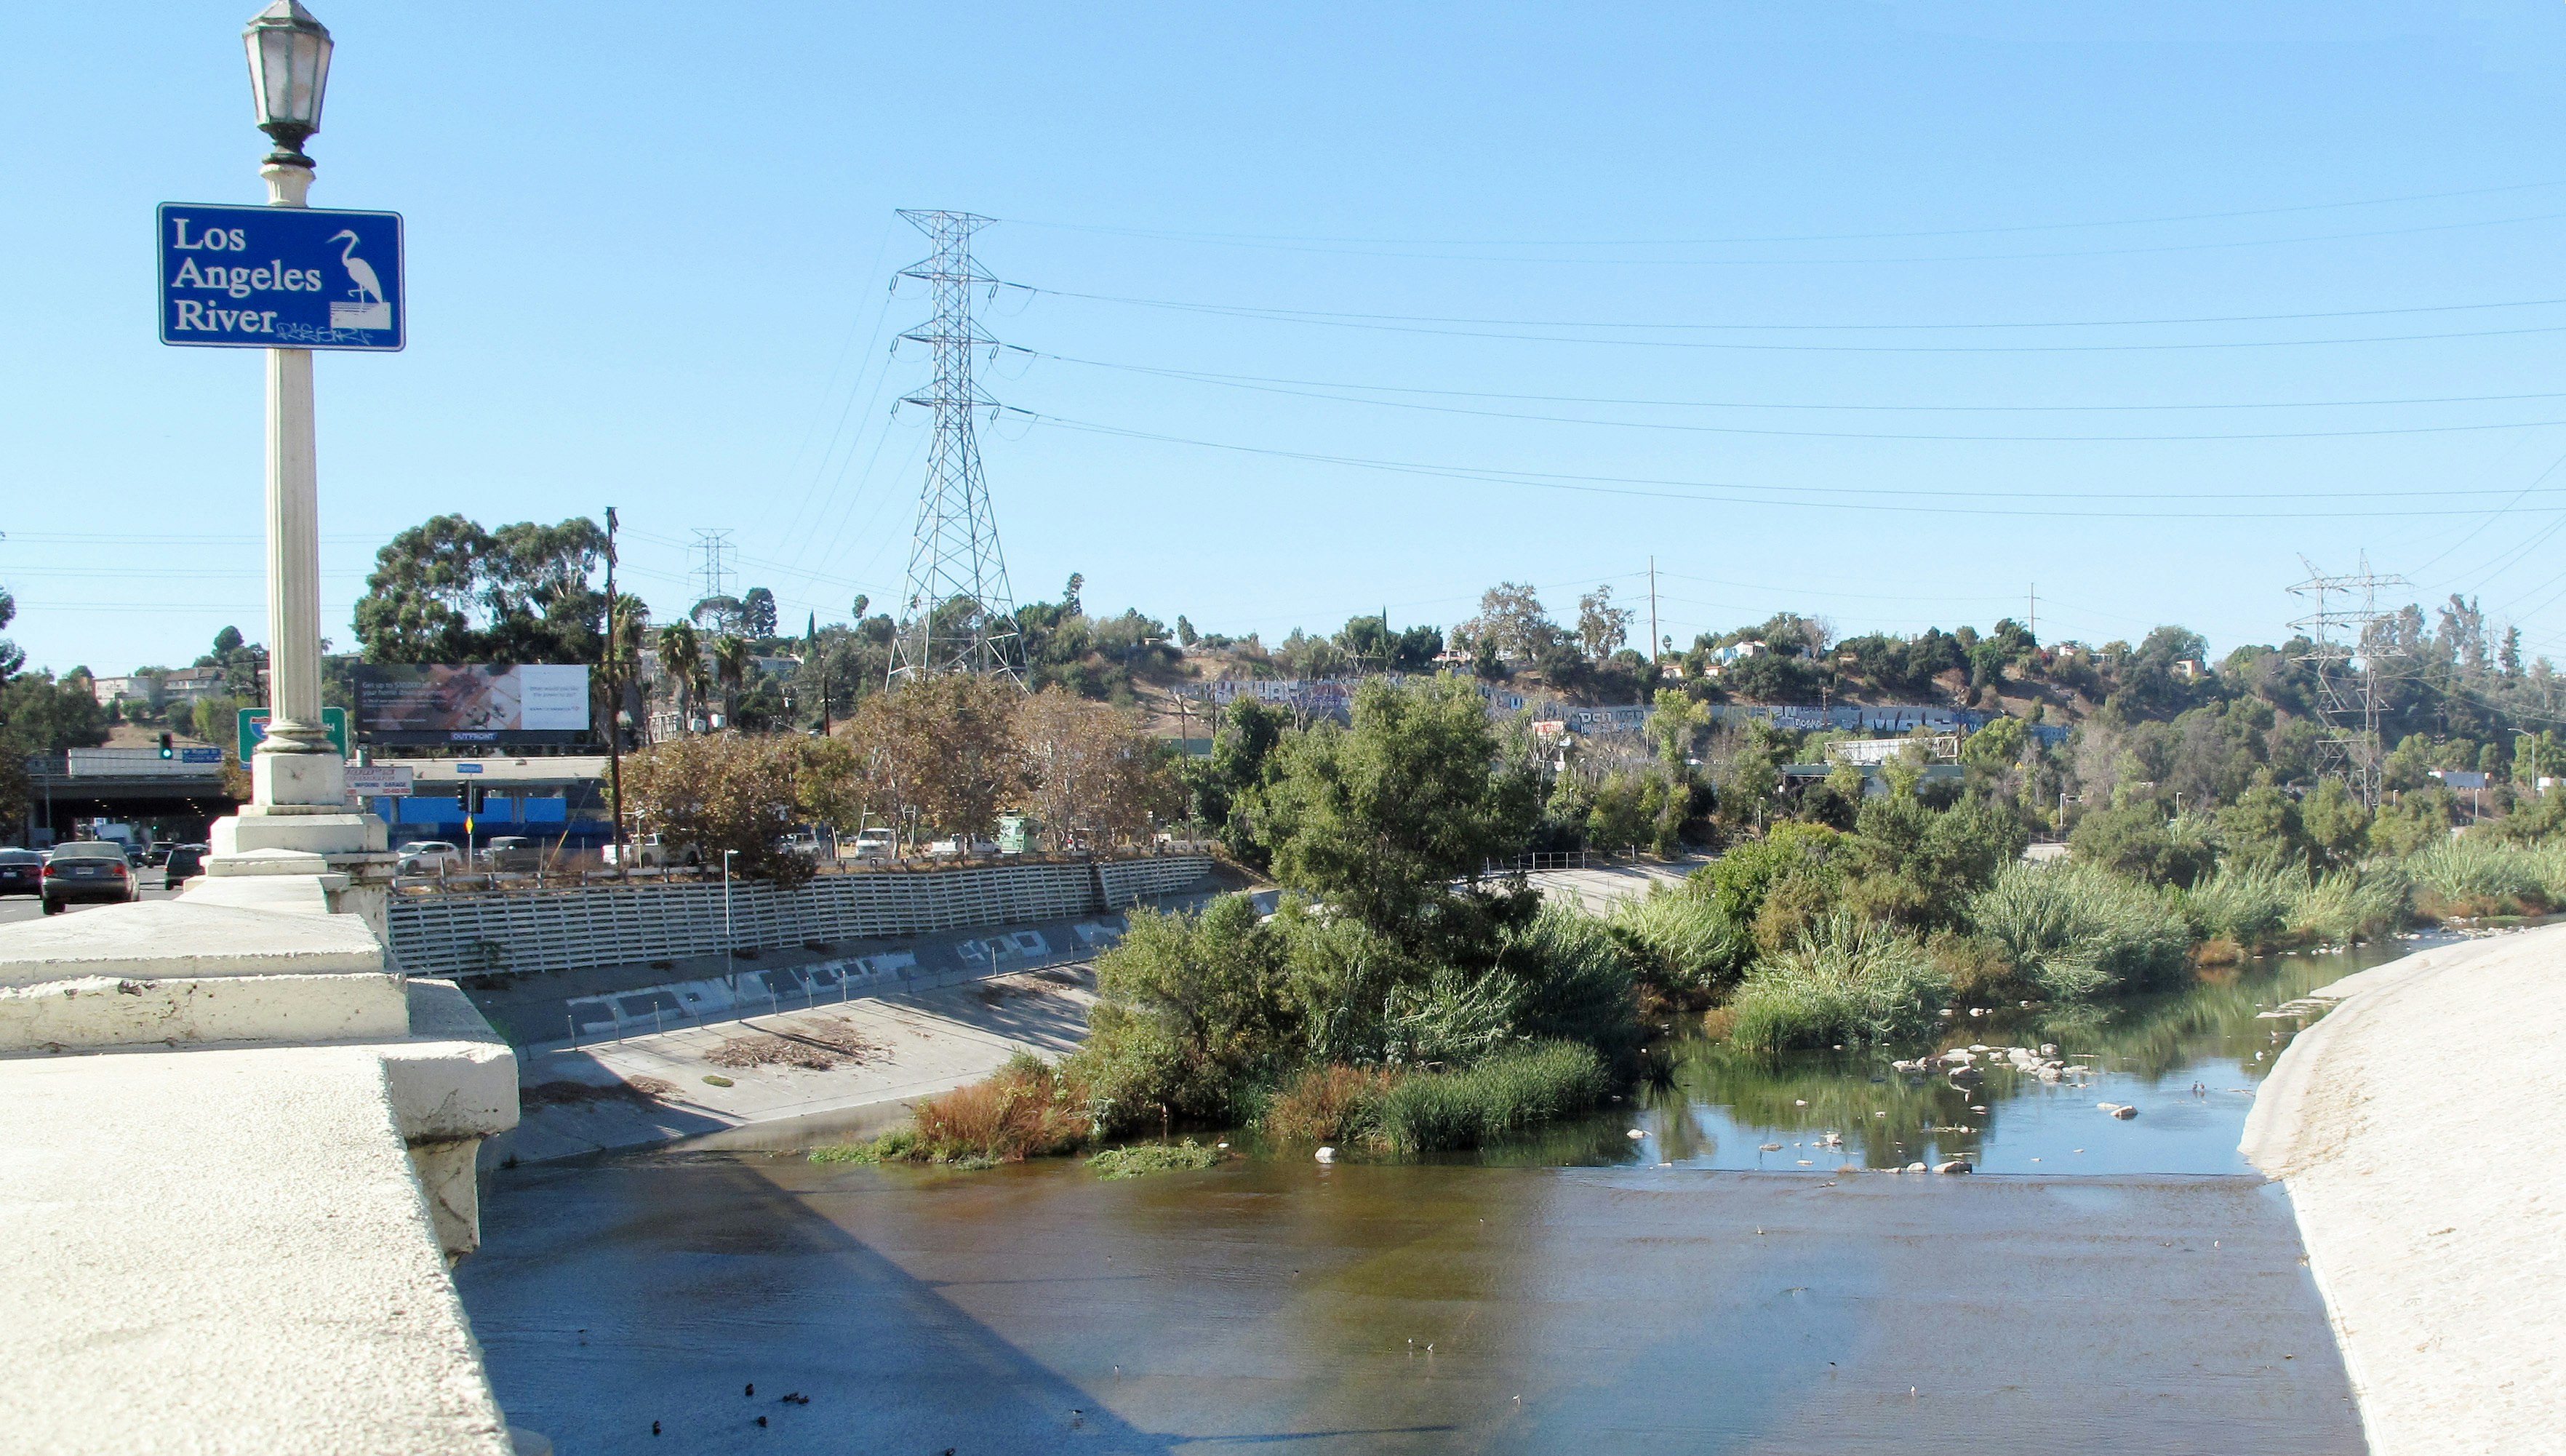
{"x": 167, "y": 751}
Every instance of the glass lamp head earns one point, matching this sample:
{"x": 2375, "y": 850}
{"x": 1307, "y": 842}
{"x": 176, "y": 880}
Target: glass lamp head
{"x": 289, "y": 69}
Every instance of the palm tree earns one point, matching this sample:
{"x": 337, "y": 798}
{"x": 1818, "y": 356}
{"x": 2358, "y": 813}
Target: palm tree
{"x": 681, "y": 654}
{"x": 731, "y": 658}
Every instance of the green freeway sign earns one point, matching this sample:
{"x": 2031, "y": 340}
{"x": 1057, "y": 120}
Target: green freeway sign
{"x": 253, "y": 727}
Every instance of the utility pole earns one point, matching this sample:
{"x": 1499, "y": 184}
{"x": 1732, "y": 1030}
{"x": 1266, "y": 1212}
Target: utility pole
{"x": 615, "y": 702}
{"x": 957, "y": 612}
{"x": 2034, "y": 627}
{"x": 1653, "y": 611}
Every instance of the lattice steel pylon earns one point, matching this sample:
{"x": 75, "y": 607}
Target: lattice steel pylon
{"x": 2346, "y": 695}
{"x": 957, "y": 614}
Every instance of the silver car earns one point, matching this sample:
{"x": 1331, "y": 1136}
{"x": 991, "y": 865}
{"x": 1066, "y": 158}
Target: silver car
{"x": 427, "y": 856}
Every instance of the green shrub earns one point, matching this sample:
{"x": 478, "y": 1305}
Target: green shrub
{"x": 1847, "y": 980}
{"x": 1430, "y": 1111}
{"x": 898, "y": 1143}
{"x": 1740, "y": 879}
{"x": 2078, "y": 930}
{"x": 1141, "y": 1158}
{"x": 1574, "y": 981}
{"x": 2136, "y": 842}
{"x": 1191, "y": 1010}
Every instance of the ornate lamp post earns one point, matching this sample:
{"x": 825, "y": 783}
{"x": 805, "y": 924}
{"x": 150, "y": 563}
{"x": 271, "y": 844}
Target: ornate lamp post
{"x": 299, "y": 781}
{"x": 289, "y": 70}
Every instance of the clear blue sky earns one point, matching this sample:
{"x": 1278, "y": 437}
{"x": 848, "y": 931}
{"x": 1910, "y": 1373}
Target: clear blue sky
{"x": 649, "y": 249}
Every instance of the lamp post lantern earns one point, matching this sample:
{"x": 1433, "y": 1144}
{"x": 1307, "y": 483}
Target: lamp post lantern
{"x": 289, "y": 68}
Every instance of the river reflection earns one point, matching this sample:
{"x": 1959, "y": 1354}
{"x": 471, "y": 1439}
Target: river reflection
{"x": 2189, "y": 1061}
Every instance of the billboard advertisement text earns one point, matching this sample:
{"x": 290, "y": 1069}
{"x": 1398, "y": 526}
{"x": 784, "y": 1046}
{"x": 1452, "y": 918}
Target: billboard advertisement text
{"x": 459, "y": 703}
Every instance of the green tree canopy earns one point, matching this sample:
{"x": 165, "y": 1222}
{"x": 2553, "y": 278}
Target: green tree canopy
{"x": 448, "y": 591}
{"x": 1383, "y": 819}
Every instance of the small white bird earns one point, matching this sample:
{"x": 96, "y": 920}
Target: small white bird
{"x": 359, "y": 270}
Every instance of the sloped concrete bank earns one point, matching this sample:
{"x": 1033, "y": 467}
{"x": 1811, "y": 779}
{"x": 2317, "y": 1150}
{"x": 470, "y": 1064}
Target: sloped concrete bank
{"x": 2416, "y": 1129}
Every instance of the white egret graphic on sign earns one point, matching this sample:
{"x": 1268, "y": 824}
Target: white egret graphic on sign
{"x": 370, "y": 311}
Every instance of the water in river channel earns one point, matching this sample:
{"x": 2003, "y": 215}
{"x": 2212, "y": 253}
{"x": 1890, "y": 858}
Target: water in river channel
{"x": 2101, "y": 1284}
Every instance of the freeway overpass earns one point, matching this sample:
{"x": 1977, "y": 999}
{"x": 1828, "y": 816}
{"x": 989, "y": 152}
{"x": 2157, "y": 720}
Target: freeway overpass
{"x": 128, "y": 785}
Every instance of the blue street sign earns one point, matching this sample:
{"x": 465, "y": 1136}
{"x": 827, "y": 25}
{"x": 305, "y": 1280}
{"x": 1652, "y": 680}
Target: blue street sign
{"x": 281, "y": 278}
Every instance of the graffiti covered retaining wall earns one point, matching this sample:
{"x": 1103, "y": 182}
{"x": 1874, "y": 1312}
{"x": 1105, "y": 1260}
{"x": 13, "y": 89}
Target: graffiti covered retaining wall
{"x": 566, "y": 929}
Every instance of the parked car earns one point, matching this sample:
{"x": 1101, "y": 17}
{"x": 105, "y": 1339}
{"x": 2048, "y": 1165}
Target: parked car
{"x": 22, "y": 873}
{"x": 807, "y": 844}
{"x": 180, "y": 863}
{"x": 89, "y": 869}
{"x": 427, "y": 856}
{"x": 513, "y": 854}
{"x": 876, "y": 843}
{"x": 159, "y": 853}
{"x": 956, "y": 848}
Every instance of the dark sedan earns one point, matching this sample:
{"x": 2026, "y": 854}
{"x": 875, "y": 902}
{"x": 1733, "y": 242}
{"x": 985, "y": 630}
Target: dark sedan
{"x": 22, "y": 873}
{"x": 89, "y": 869}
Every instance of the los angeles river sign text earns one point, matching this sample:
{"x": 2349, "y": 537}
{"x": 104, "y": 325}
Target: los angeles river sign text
{"x": 281, "y": 278}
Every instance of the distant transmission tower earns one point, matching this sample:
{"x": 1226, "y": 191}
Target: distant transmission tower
{"x": 2347, "y": 695}
{"x": 714, "y": 574}
{"x": 958, "y": 613}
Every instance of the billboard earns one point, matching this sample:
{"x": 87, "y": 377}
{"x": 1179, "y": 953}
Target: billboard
{"x": 466, "y": 703}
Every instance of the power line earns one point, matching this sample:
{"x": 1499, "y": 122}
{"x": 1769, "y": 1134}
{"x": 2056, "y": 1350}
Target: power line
{"x": 1384, "y": 325}
{"x": 1590, "y": 262}
{"x": 1988, "y": 229}
{"x": 1637, "y": 401}
{"x": 1780, "y": 495}
{"x": 1738, "y": 430}
{"x": 1660, "y": 325}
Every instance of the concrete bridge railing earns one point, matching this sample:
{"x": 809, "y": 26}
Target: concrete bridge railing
{"x": 238, "y": 1162}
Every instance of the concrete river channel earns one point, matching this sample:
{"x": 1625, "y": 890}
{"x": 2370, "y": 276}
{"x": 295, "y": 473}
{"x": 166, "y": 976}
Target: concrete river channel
{"x": 1746, "y": 1275}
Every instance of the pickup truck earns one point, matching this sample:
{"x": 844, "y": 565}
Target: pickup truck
{"x": 653, "y": 851}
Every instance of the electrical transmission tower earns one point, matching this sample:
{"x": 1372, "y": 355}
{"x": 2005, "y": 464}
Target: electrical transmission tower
{"x": 714, "y": 574}
{"x": 715, "y": 606}
{"x": 2348, "y": 694}
{"x": 958, "y": 613}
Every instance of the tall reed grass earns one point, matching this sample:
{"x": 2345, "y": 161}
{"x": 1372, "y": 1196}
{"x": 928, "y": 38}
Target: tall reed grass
{"x": 2348, "y": 904}
{"x": 1430, "y": 1111}
{"x": 1683, "y": 942}
{"x": 1847, "y": 979}
{"x": 2475, "y": 875}
{"x": 2076, "y": 930}
{"x": 1329, "y": 1104}
{"x": 2248, "y": 903}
